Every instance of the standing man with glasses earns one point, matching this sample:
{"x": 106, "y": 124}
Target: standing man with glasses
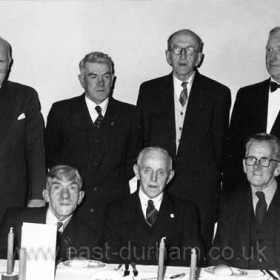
{"x": 248, "y": 234}
{"x": 256, "y": 110}
{"x": 188, "y": 114}
{"x": 98, "y": 135}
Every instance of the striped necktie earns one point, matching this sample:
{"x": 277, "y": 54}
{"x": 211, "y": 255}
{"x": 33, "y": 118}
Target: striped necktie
{"x": 100, "y": 118}
{"x": 151, "y": 213}
{"x": 184, "y": 94}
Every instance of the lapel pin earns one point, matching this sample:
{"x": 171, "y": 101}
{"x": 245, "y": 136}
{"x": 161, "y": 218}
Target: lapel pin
{"x": 112, "y": 123}
{"x": 172, "y": 216}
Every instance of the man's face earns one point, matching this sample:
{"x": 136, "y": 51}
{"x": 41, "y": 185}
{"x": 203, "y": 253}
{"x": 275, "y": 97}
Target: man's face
{"x": 258, "y": 176}
{"x": 97, "y": 81}
{"x": 273, "y": 56}
{"x": 153, "y": 173}
{"x": 183, "y": 65}
{"x": 4, "y": 61}
{"x": 63, "y": 198}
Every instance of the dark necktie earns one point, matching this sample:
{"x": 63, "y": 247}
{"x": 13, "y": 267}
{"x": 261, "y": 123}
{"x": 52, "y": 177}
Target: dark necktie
{"x": 184, "y": 94}
{"x": 274, "y": 86}
{"x": 151, "y": 213}
{"x": 261, "y": 207}
{"x": 100, "y": 118}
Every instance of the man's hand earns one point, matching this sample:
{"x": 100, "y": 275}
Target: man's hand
{"x": 36, "y": 203}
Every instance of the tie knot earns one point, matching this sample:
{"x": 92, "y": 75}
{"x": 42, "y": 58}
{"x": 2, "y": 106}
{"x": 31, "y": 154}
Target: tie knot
{"x": 150, "y": 202}
{"x": 260, "y": 196}
{"x": 274, "y": 86}
{"x": 184, "y": 85}
{"x": 59, "y": 225}
{"x": 98, "y": 110}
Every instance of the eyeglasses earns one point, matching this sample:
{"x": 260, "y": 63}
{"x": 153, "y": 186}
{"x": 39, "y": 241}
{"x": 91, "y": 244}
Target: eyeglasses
{"x": 188, "y": 50}
{"x": 263, "y": 162}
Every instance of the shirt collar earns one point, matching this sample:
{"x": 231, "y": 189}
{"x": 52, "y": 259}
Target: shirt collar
{"x": 272, "y": 80}
{"x": 103, "y": 105}
{"x": 269, "y": 192}
{"x": 52, "y": 219}
{"x": 144, "y": 198}
{"x": 178, "y": 82}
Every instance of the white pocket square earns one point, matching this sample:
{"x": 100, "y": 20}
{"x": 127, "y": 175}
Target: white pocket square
{"x": 21, "y": 116}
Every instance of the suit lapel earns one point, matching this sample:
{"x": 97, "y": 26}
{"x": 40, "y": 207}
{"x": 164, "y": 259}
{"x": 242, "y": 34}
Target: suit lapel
{"x": 198, "y": 96}
{"x": 8, "y": 105}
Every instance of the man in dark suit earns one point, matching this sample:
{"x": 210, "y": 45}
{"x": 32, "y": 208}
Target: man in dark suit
{"x": 22, "y": 154}
{"x": 256, "y": 110}
{"x": 63, "y": 194}
{"x": 98, "y": 135}
{"x": 248, "y": 234}
{"x": 187, "y": 114}
{"x": 134, "y": 225}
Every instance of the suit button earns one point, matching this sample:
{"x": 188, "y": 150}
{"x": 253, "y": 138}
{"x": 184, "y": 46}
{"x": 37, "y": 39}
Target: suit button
{"x": 96, "y": 140}
{"x": 95, "y": 163}
{"x": 96, "y": 189}
{"x": 91, "y": 210}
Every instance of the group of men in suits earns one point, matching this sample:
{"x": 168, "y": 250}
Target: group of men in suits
{"x": 185, "y": 113}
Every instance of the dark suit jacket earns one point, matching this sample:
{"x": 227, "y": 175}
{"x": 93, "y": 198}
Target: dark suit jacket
{"x": 249, "y": 117}
{"x": 22, "y": 154}
{"x": 127, "y": 236}
{"x": 198, "y": 160}
{"x": 76, "y": 238}
{"x": 234, "y": 231}
{"x": 69, "y": 141}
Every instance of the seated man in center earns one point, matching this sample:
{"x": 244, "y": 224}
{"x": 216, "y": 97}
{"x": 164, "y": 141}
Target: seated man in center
{"x": 134, "y": 225}
{"x": 63, "y": 194}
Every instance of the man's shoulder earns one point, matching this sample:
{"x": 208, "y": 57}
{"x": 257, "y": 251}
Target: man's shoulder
{"x": 181, "y": 203}
{"x": 20, "y": 91}
{"x": 156, "y": 82}
{"x": 122, "y": 106}
{"x": 209, "y": 82}
{"x": 67, "y": 102}
{"x": 253, "y": 88}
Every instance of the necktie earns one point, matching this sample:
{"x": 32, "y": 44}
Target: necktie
{"x": 59, "y": 227}
{"x": 100, "y": 118}
{"x": 151, "y": 213}
{"x": 184, "y": 94}
{"x": 274, "y": 86}
{"x": 261, "y": 207}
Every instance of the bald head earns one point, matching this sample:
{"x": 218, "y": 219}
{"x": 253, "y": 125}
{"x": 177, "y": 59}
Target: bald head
{"x": 5, "y": 59}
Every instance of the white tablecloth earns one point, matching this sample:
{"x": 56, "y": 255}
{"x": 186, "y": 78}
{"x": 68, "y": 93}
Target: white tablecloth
{"x": 64, "y": 272}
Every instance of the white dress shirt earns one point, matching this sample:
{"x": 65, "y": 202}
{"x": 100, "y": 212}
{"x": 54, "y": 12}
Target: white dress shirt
{"x": 51, "y": 219}
{"x": 269, "y": 192}
{"x": 180, "y": 111}
{"x": 91, "y": 108}
{"x": 273, "y": 107}
{"x": 144, "y": 201}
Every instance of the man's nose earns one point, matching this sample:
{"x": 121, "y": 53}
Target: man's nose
{"x": 257, "y": 165}
{"x": 65, "y": 193}
{"x": 183, "y": 54}
{"x": 101, "y": 81}
{"x": 154, "y": 176}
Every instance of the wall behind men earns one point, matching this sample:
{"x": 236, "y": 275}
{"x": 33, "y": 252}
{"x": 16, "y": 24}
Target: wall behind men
{"x": 49, "y": 38}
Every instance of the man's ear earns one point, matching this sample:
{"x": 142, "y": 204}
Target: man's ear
{"x": 277, "y": 170}
{"x": 136, "y": 171}
{"x": 244, "y": 166}
{"x": 168, "y": 57}
{"x": 170, "y": 176}
{"x": 81, "y": 79}
{"x": 81, "y": 196}
{"x": 46, "y": 195}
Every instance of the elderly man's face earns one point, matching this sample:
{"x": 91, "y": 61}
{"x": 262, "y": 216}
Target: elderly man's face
{"x": 153, "y": 173}
{"x": 97, "y": 81}
{"x": 4, "y": 61}
{"x": 258, "y": 176}
{"x": 273, "y": 56}
{"x": 63, "y": 198}
{"x": 183, "y": 64}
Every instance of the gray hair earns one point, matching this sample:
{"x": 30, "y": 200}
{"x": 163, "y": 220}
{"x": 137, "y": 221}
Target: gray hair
{"x": 267, "y": 138}
{"x": 96, "y": 57}
{"x": 274, "y": 30}
{"x": 7, "y": 46}
{"x": 159, "y": 149}
{"x": 63, "y": 173}
{"x": 199, "y": 41}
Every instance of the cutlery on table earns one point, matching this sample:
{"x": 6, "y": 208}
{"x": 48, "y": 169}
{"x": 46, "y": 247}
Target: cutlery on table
{"x": 266, "y": 271}
{"x": 176, "y": 276}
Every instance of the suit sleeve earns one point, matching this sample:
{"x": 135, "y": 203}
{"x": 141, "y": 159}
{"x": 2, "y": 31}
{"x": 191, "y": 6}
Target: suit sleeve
{"x": 53, "y": 138}
{"x": 233, "y": 172}
{"x": 221, "y": 251}
{"x": 35, "y": 149}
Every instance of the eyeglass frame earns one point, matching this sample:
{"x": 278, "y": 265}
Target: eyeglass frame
{"x": 258, "y": 161}
{"x": 189, "y": 50}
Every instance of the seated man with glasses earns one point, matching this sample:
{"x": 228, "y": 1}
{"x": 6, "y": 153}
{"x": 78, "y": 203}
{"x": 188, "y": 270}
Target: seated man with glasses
{"x": 187, "y": 113}
{"x": 248, "y": 234}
